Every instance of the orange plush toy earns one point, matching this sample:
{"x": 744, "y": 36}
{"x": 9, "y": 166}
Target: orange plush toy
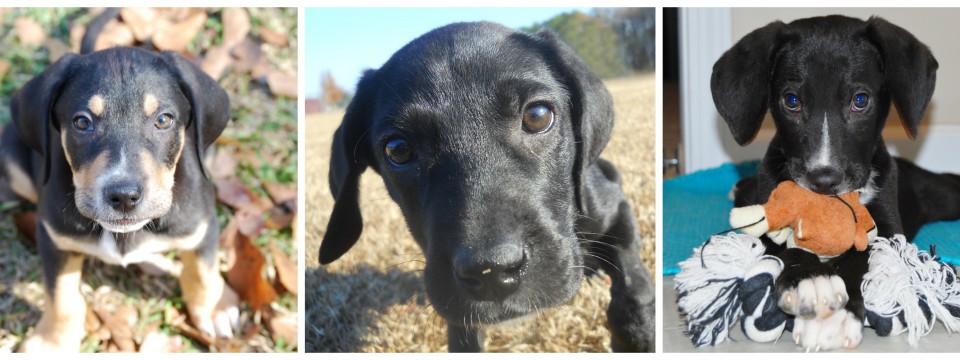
{"x": 826, "y": 225}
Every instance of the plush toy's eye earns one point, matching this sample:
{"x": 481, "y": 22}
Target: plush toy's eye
{"x": 399, "y": 152}
{"x": 83, "y": 123}
{"x": 164, "y": 121}
{"x": 860, "y": 102}
{"x": 792, "y": 102}
{"x": 537, "y": 118}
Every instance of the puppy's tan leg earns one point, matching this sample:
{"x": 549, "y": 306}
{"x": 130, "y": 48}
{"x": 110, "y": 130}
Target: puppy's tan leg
{"x": 212, "y": 305}
{"x": 61, "y": 325}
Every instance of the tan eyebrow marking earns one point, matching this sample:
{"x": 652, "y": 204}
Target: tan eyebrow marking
{"x": 96, "y": 105}
{"x": 150, "y": 104}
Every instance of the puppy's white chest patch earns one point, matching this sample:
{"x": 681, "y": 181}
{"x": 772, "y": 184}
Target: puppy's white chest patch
{"x": 149, "y": 245}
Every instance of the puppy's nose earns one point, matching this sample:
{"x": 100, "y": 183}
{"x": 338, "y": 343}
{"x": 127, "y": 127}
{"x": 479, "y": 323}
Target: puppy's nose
{"x": 124, "y": 196}
{"x": 824, "y": 180}
{"x": 491, "y": 274}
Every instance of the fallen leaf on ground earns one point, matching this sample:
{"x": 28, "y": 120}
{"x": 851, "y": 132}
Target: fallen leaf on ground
{"x": 245, "y": 272}
{"x": 29, "y": 32}
{"x": 282, "y": 84}
{"x": 273, "y": 37}
{"x": 233, "y": 193}
{"x": 142, "y": 21}
{"x": 76, "y": 37}
{"x": 121, "y": 333}
{"x": 281, "y": 215}
{"x": 155, "y": 342}
{"x": 91, "y": 323}
{"x": 287, "y": 276}
{"x": 280, "y": 192}
{"x": 216, "y": 61}
{"x": 224, "y": 164}
{"x": 236, "y": 25}
{"x": 114, "y": 33}
{"x": 4, "y": 67}
{"x": 246, "y": 55}
{"x": 56, "y": 48}
{"x": 285, "y": 327}
{"x": 177, "y": 37}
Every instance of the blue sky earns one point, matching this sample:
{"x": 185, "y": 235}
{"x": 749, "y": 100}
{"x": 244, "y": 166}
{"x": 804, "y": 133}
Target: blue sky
{"x": 346, "y": 41}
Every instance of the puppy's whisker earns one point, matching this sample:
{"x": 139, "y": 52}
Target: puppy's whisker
{"x": 604, "y": 260}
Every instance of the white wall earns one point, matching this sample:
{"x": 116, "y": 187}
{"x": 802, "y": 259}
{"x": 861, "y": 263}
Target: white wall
{"x": 939, "y": 136}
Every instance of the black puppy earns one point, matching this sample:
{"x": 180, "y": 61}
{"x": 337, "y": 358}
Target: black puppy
{"x": 829, "y": 82}
{"x": 109, "y": 146}
{"x": 489, "y": 140}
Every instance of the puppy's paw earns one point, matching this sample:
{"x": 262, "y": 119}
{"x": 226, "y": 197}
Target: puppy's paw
{"x": 48, "y": 338}
{"x": 818, "y": 297}
{"x": 840, "y": 330}
{"x": 219, "y": 320}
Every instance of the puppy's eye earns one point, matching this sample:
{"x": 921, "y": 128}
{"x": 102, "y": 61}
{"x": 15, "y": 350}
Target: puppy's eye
{"x": 792, "y": 102}
{"x": 82, "y": 123}
{"x": 399, "y": 151}
{"x": 537, "y": 119}
{"x": 164, "y": 121}
{"x": 860, "y": 102}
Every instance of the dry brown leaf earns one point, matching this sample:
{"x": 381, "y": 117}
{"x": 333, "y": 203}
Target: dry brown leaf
{"x": 216, "y": 61}
{"x": 236, "y": 26}
{"x": 286, "y": 270}
{"x": 114, "y": 33}
{"x": 245, "y": 275}
{"x": 4, "y": 67}
{"x": 284, "y": 326}
{"x": 282, "y": 84}
{"x": 232, "y": 192}
{"x": 121, "y": 333}
{"x": 26, "y": 223}
{"x": 280, "y": 192}
{"x": 178, "y": 36}
{"x": 247, "y": 54}
{"x": 76, "y": 37}
{"x": 29, "y": 32}
{"x": 56, "y": 48}
{"x": 261, "y": 70}
{"x": 91, "y": 323}
{"x": 224, "y": 164}
{"x": 273, "y": 37}
{"x": 142, "y": 21}
{"x": 155, "y": 342}
{"x": 281, "y": 215}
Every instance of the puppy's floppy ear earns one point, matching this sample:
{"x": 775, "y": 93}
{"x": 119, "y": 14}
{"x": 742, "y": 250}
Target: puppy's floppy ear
{"x": 741, "y": 81}
{"x": 349, "y": 158}
{"x": 209, "y": 103}
{"x": 32, "y": 109}
{"x": 591, "y": 104}
{"x": 910, "y": 70}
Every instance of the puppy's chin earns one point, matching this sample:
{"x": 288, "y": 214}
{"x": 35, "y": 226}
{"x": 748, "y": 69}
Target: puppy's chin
{"x": 123, "y": 226}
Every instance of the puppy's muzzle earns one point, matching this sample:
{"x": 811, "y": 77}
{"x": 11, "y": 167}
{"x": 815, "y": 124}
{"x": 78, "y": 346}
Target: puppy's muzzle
{"x": 490, "y": 274}
{"x": 123, "y": 196}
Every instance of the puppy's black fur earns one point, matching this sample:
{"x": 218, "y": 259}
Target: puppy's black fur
{"x": 811, "y": 74}
{"x": 109, "y": 144}
{"x": 505, "y": 213}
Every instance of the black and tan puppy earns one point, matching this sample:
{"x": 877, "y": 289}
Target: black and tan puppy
{"x": 829, "y": 83}
{"x": 109, "y": 147}
{"x": 489, "y": 140}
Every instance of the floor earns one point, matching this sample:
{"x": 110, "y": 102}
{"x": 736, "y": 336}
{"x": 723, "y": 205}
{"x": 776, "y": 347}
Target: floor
{"x": 674, "y": 340}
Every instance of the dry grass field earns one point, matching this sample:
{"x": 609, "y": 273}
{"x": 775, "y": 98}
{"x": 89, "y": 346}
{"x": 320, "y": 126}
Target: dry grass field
{"x": 372, "y": 299}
